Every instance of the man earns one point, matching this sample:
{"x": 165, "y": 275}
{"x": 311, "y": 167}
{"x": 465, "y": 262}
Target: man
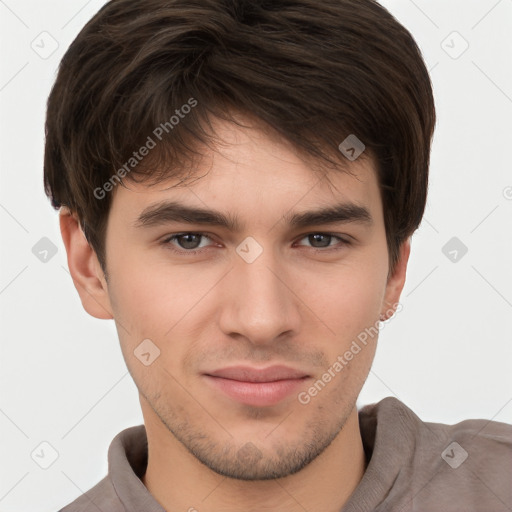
{"x": 238, "y": 183}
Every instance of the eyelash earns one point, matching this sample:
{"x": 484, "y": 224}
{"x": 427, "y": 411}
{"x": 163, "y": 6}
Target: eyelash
{"x": 167, "y": 242}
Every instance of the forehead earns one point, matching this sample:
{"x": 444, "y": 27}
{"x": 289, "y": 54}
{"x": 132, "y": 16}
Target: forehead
{"x": 249, "y": 170}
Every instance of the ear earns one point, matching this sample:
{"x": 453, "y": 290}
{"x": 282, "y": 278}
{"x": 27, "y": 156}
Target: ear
{"x": 396, "y": 282}
{"x": 85, "y": 268}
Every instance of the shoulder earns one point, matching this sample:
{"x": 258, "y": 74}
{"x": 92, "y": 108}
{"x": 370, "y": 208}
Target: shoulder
{"x": 472, "y": 461}
{"x": 483, "y": 441}
{"x": 463, "y": 466}
{"x": 100, "y": 497}
{"x": 391, "y": 413}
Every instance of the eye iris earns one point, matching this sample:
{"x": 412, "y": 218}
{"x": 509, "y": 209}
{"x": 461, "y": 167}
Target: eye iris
{"x": 192, "y": 240}
{"x": 188, "y": 242}
{"x": 319, "y": 237}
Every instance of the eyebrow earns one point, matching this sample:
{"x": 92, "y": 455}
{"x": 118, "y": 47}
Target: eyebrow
{"x": 174, "y": 211}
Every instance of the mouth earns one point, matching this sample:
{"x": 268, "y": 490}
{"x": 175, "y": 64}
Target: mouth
{"x": 257, "y": 387}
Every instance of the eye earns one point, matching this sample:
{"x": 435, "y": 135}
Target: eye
{"x": 188, "y": 242}
{"x": 322, "y": 241}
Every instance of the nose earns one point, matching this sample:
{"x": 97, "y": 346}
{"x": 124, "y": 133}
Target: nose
{"x": 259, "y": 300}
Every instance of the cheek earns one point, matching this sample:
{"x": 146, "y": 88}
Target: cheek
{"x": 349, "y": 300}
{"x": 160, "y": 303}
{"x": 150, "y": 298}
{"x": 137, "y": 302}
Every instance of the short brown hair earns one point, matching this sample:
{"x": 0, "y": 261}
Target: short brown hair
{"x": 313, "y": 71}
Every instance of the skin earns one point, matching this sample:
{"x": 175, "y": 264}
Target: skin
{"x": 291, "y": 306}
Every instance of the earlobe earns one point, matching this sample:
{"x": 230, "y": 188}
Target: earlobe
{"x": 84, "y": 268}
{"x": 396, "y": 282}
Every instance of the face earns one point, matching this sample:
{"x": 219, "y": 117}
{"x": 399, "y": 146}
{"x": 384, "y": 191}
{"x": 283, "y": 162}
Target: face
{"x": 266, "y": 291}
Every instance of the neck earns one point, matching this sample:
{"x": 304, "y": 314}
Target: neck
{"x": 178, "y": 481}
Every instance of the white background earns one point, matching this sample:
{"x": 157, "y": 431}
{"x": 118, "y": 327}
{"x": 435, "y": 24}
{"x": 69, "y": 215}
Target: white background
{"x": 447, "y": 354}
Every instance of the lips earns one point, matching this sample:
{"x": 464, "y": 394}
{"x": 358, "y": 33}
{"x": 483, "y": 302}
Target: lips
{"x": 250, "y": 374}
{"x": 257, "y": 387}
